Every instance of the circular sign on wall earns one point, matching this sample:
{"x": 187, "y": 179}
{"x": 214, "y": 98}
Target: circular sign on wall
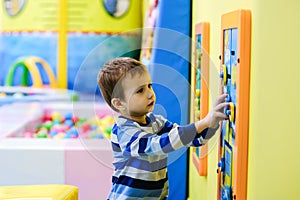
{"x": 116, "y": 8}
{"x": 14, "y": 7}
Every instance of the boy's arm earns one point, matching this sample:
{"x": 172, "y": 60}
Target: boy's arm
{"x": 136, "y": 142}
{"x": 203, "y": 137}
{"x": 140, "y": 143}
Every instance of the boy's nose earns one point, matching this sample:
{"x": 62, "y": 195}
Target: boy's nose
{"x": 150, "y": 94}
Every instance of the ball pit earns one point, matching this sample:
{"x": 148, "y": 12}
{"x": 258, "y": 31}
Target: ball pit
{"x": 55, "y": 142}
{"x": 57, "y": 125}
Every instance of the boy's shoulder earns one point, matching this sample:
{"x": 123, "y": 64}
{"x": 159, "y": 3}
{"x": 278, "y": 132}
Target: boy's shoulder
{"x": 151, "y": 118}
{"x": 155, "y": 117}
{"x": 122, "y": 121}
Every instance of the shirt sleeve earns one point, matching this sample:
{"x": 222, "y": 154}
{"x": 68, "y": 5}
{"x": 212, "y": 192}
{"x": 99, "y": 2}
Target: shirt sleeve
{"x": 203, "y": 137}
{"x": 133, "y": 141}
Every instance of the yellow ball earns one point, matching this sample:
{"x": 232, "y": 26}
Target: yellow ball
{"x": 59, "y": 135}
{"x": 56, "y": 116}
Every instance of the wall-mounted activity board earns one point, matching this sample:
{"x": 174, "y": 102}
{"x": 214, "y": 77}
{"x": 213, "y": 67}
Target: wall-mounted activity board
{"x": 235, "y": 75}
{"x": 199, "y": 93}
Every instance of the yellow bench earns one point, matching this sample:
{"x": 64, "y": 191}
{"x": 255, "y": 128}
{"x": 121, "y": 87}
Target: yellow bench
{"x": 39, "y": 192}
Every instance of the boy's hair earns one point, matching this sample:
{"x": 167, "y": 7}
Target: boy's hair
{"x": 112, "y": 72}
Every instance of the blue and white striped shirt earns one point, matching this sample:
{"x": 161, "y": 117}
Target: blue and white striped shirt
{"x": 140, "y": 155}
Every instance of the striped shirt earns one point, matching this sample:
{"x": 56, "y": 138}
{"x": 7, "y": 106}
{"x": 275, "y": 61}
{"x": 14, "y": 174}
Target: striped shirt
{"x": 140, "y": 155}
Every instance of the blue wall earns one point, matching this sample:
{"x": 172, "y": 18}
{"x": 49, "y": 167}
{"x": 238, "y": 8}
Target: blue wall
{"x": 169, "y": 66}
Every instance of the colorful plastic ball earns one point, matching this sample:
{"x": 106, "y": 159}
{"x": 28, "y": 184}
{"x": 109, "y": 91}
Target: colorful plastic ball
{"x": 56, "y": 127}
{"x": 74, "y": 132}
{"x": 98, "y": 136}
{"x": 101, "y": 115}
{"x": 68, "y": 116}
{"x": 42, "y": 134}
{"x": 53, "y": 133}
{"x": 56, "y": 121}
{"x": 68, "y": 122}
{"x": 108, "y": 130}
{"x": 56, "y": 116}
{"x": 75, "y": 119}
{"x": 60, "y": 135}
{"x": 47, "y": 125}
{"x": 28, "y": 135}
{"x": 63, "y": 119}
{"x": 42, "y": 129}
{"x": 94, "y": 127}
{"x": 86, "y": 127}
{"x": 81, "y": 121}
{"x": 67, "y": 136}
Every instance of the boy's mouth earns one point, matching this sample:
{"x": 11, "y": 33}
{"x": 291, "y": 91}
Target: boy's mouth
{"x": 151, "y": 103}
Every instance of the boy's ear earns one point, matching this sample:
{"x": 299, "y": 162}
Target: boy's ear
{"x": 116, "y": 102}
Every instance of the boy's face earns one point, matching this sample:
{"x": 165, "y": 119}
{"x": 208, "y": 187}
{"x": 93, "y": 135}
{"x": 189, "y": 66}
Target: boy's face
{"x": 139, "y": 97}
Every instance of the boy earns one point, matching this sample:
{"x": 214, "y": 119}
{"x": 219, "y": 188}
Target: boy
{"x": 141, "y": 140}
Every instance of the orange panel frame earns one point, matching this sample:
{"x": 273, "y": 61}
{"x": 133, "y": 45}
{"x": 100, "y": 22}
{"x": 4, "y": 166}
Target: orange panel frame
{"x": 240, "y": 19}
{"x": 200, "y": 161}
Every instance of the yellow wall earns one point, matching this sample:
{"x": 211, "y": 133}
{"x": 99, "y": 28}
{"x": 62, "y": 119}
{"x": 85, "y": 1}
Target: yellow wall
{"x": 88, "y": 15}
{"x": 274, "y": 98}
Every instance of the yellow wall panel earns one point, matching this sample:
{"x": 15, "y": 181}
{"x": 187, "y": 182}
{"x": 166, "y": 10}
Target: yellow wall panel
{"x": 88, "y": 15}
{"x": 274, "y": 98}
{"x": 34, "y": 15}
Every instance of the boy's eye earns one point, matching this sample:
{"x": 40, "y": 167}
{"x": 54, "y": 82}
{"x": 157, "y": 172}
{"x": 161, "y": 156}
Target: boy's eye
{"x": 140, "y": 90}
{"x": 150, "y": 85}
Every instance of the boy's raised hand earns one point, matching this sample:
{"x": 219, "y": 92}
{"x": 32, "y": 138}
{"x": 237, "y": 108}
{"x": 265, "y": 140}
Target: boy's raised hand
{"x": 215, "y": 115}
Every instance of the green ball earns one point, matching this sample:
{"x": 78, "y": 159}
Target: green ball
{"x": 47, "y": 125}
{"x": 108, "y": 130}
{"x": 42, "y": 134}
